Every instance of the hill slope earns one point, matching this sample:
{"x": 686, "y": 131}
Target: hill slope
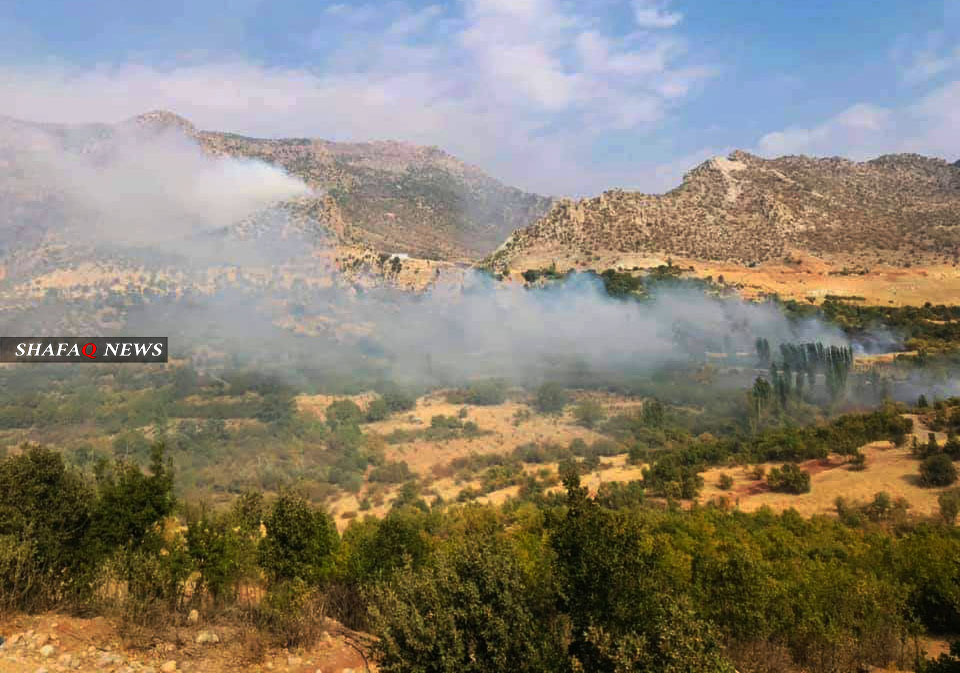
{"x": 896, "y": 209}
{"x": 393, "y": 196}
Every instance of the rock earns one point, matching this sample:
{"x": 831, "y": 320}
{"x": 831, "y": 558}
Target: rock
{"x": 41, "y": 670}
{"x": 193, "y": 617}
{"x": 46, "y": 651}
{"x": 294, "y": 661}
{"x": 41, "y": 639}
{"x": 65, "y": 659}
{"x": 108, "y": 660}
{"x": 207, "y": 638}
{"x": 169, "y": 666}
{"x": 15, "y": 638}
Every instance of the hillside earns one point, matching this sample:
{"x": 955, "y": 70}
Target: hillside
{"x": 393, "y": 196}
{"x": 896, "y": 210}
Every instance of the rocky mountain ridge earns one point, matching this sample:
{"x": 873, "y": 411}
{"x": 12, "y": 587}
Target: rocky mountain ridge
{"x": 895, "y": 209}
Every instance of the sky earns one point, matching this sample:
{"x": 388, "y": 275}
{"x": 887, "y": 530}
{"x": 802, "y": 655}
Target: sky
{"x": 562, "y": 98}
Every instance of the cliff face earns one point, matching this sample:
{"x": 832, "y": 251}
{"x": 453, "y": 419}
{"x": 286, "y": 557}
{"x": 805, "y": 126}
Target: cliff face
{"x": 900, "y": 209}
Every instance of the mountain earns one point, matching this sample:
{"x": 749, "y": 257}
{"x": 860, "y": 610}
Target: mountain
{"x": 392, "y": 196}
{"x": 899, "y": 210}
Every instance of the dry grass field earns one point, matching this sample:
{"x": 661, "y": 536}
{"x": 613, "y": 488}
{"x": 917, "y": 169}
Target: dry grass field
{"x": 889, "y": 469}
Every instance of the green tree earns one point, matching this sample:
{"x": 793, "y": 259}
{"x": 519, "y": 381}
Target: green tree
{"x": 471, "y": 609}
{"x": 377, "y": 410}
{"x": 45, "y": 513}
{"x": 299, "y": 543}
{"x": 949, "y": 502}
{"x": 937, "y": 470}
{"x": 588, "y": 413}
{"x": 344, "y": 412}
{"x": 551, "y": 398}
{"x": 789, "y": 478}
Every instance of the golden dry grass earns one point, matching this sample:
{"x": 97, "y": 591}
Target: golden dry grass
{"x": 890, "y": 469}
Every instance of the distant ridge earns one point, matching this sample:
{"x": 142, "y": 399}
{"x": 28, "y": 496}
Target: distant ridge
{"x": 898, "y": 209}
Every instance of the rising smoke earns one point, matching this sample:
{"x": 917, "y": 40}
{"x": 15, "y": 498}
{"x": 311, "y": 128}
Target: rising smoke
{"x": 126, "y": 188}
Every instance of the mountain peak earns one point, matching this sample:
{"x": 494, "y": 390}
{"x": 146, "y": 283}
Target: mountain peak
{"x": 164, "y": 119}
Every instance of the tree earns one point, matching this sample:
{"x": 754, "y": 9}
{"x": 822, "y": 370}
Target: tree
{"x": 299, "y": 543}
{"x": 949, "y": 502}
{"x": 653, "y": 413}
{"x": 789, "y": 478}
{"x": 588, "y": 413}
{"x": 613, "y": 582}
{"x": 344, "y": 412}
{"x": 472, "y": 609}
{"x": 130, "y": 503}
{"x": 922, "y": 401}
{"x": 726, "y": 482}
{"x": 45, "y": 514}
{"x": 937, "y": 470}
{"x": 377, "y": 410}
{"x": 551, "y": 398}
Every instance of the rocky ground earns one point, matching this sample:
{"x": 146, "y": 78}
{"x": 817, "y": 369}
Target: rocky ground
{"x": 57, "y": 643}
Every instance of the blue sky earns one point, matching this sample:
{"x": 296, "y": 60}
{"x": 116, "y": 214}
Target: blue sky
{"x": 554, "y": 96}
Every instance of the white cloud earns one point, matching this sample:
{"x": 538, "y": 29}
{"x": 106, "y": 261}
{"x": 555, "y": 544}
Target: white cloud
{"x": 931, "y": 126}
{"x": 520, "y": 87}
{"x": 654, "y": 14}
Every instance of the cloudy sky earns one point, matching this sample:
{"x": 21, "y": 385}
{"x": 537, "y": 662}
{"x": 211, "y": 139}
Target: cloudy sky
{"x": 553, "y": 96}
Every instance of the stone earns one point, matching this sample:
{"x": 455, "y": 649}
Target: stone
{"x": 41, "y": 670}
{"x": 65, "y": 659}
{"x": 109, "y": 660}
{"x": 168, "y": 666}
{"x": 294, "y": 661}
{"x": 41, "y": 639}
{"x": 46, "y": 651}
{"x": 193, "y": 617}
{"x": 207, "y": 638}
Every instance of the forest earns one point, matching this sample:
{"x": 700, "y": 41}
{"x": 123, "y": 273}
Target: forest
{"x": 144, "y": 494}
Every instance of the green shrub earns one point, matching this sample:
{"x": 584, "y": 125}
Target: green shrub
{"x": 551, "y": 398}
{"x": 377, "y": 410}
{"x": 588, "y": 413}
{"x": 299, "y": 543}
{"x": 937, "y": 470}
{"x": 344, "y": 412}
{"x": 789, "y": 478}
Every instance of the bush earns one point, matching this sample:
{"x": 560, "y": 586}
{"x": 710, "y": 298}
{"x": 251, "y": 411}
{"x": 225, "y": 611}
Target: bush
{"x": 344, "y": 412}
{"x": 551, "y": 398}
{"x": 299, "y": 543}
{"x": 291, "y": 612}
{"x": 377, "y": 410}
{"x": 949, "y": 502}
{"x": 397, "y": 401}
{"x": 789, "y": 479}
{"x": 391, "y": 473}
{"x": 487, "y": 392}
{"x": 588, "y": 413}
{"x": 937, "y": 470}
{"x": 726, "y": 482}
{"x": 472, "y": 609}
{"x": 45, "y": 515}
